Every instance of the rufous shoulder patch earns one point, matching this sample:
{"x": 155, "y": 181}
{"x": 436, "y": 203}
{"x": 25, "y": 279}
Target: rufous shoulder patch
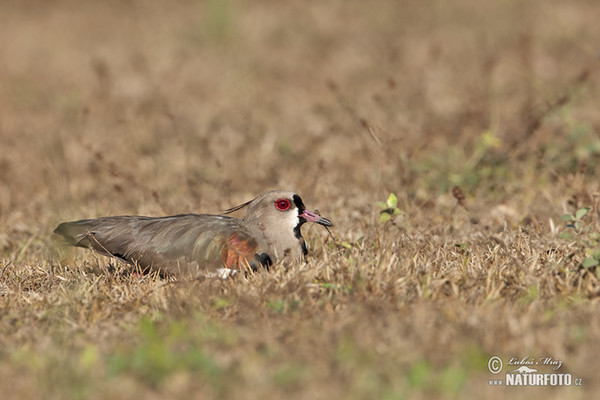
{"x": 238, "y": 250}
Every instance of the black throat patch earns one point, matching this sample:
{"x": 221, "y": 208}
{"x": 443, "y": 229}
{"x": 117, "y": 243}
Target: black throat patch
{"x": 300, "y": 205}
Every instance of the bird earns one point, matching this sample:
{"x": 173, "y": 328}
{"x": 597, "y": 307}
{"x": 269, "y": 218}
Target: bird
{"x": 194, "y": 245}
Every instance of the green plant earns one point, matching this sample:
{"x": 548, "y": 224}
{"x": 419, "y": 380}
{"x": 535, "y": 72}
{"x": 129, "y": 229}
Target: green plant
{"x": 584, "y": 234}
{"x": 388, "y": 209}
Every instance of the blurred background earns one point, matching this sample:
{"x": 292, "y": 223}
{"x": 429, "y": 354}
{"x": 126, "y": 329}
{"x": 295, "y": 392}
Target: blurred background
{"x": 127, "y": 107}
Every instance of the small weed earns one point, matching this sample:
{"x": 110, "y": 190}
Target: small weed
{"x": 584, "y": 234}
{"x": 388, "y": 209}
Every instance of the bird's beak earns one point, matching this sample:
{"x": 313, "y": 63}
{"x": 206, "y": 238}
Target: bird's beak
{"x": 312, "y": 217}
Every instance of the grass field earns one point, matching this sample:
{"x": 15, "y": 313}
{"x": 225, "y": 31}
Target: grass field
{"x": 481, "y": 117}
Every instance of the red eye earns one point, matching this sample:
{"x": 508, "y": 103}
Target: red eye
{"x": 283, "y": 204}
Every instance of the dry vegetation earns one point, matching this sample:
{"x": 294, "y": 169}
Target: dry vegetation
{"x": 135, "y": 107}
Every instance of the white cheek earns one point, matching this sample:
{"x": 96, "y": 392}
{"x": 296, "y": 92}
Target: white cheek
{"x": 291, "y": 218}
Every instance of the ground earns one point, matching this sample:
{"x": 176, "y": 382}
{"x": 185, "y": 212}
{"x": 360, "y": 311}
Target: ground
{"x": 480, "y": 117}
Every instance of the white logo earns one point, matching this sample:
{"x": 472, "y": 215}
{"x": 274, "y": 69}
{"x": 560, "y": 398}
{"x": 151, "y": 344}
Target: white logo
{"x": 525, "y": 375}
{"x": 524, "y": 370}
{"x": 495, "y": 365}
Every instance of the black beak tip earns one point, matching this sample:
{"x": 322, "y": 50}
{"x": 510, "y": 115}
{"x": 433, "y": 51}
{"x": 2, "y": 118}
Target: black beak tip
{"x": 324, "y": 222}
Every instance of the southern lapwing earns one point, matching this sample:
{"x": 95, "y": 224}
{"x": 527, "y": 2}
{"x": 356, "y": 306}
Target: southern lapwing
{"x": 191, "y": 245}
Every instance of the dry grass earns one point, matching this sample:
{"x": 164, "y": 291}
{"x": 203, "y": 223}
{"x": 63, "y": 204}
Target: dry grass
{"x": 142, "y": 108}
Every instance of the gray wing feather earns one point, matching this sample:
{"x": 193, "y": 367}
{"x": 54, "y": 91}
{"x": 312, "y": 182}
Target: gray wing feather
{"x": 181, "y": 244}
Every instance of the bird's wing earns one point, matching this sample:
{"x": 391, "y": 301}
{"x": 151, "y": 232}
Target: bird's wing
{"x": 181, "y": 244}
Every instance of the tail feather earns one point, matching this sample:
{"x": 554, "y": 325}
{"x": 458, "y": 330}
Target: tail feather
{"x": 82, "y": 234}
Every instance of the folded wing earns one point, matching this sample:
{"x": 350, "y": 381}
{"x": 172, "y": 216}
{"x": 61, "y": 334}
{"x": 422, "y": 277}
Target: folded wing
{"x": 180, "y": 245}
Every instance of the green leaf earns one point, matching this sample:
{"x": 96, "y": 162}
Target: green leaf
{"x": 381, "y": 204}
{"x": 581, "y": 212}
{"x": 567, "y": 217}
{"x": 566, "y": 236}
{"x": 346, "y": 245}
{"x": 590, "y": 262}
{"x": 594, "y": 253}
{"x": 392, "y": 201}
{"x": 384, "y": 217}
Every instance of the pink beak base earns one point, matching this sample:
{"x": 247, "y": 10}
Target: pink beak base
{"x": 312, "y": 217}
